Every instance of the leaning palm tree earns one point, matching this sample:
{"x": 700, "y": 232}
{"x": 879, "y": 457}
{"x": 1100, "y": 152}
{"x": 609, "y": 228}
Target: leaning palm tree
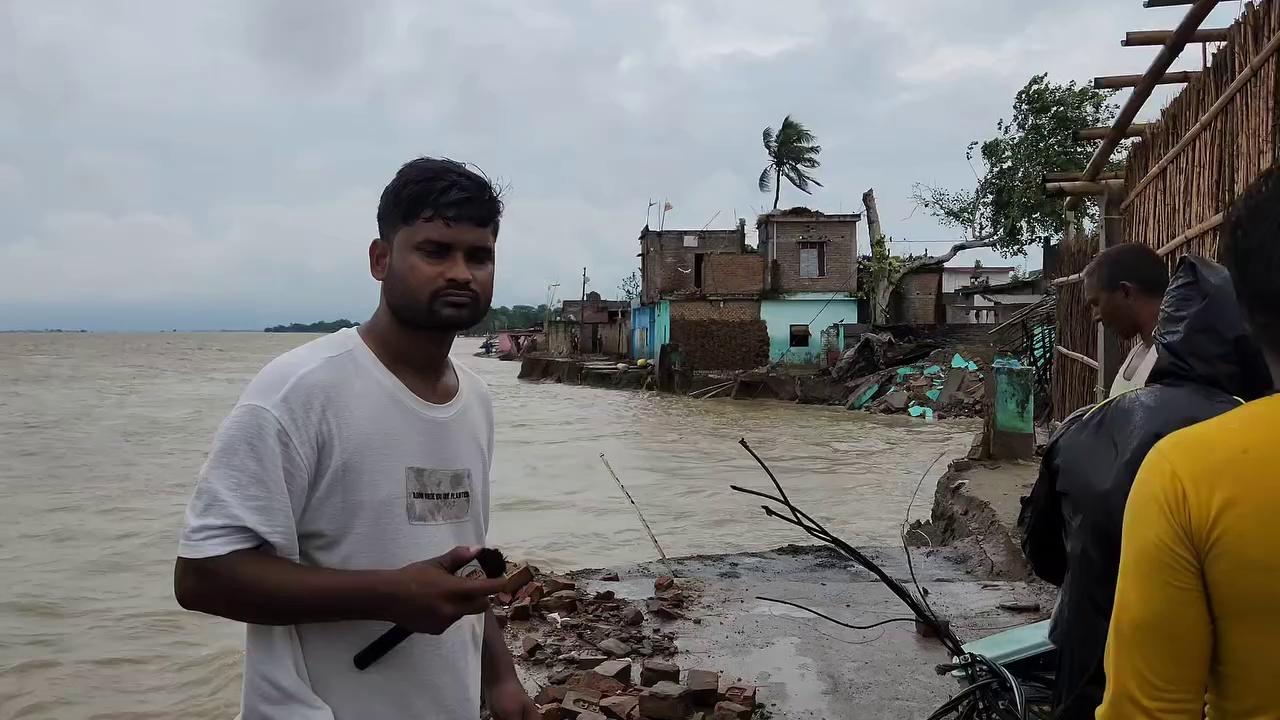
{"x": 792, "y": 153}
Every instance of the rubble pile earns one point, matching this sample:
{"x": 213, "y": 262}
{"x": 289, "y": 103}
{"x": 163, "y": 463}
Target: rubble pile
{"x": 600, "y": 661}
{"x": 933, "y": 385}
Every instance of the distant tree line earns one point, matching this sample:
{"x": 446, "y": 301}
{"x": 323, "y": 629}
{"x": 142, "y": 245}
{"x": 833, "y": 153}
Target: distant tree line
{"x": 324, "y": 326}
{"x": 514, "y": 317}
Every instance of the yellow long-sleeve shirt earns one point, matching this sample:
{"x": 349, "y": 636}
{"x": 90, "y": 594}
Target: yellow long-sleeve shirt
{"x": 1196, "y": 623}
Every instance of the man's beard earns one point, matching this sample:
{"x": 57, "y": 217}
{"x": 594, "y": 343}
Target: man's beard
{"x": 435, "y": 313}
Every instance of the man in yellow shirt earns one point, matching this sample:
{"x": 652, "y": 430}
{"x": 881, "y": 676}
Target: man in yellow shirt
{"x": 1194, "y": 630}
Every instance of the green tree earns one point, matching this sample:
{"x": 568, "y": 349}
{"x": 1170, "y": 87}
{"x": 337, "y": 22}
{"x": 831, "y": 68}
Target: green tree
{"x": 1008, "y": 208}
{"x": 793, "y": 152}
{"x": 516, "y": 317}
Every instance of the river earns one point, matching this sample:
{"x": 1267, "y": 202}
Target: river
{"x": 101, "y": 436}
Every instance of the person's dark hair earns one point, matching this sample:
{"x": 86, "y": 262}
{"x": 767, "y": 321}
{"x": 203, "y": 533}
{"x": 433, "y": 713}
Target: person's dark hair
{"x": 438, "y": 188}
{"x": 1138, "y": 265}
{"x": 1251, "y": 252}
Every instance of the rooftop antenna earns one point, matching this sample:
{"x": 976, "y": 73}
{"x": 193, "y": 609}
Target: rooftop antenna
{"x": 713, "y": 219}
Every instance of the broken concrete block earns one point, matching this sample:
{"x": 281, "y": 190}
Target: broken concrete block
{"x": 731, "y": 711}
{"x": 521, "y": 610}
{"x": 665, "y": 701}
{"x": 664, "y": 583}
{"x": 577, "y": 702}
{"x": 704, "y": 687}
{"x": 897, "y": 400}
{"x": 653, "y": 672}
{"x": 616, "y": 647}
{"x": 632, "y": 616}
{"x": 552, "y": 584}
{"x": 529, "y": 646}
{"x": 739, "y": 694}
{"x": 522, "y": 576}
{"x": 619, "y": 670}
{"x": 551, "y": 694}
{"x": 619, "y": 707}
{"x": 609, "y": 577}
{"x": 562, "y": 601}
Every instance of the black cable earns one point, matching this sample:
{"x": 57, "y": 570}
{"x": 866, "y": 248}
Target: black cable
{"x": 841, "y": 623}
{"x": 911, "y": 568}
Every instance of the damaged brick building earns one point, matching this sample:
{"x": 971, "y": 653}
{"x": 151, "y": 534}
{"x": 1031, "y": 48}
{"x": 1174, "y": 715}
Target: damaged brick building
{"x": 731, "y": 306}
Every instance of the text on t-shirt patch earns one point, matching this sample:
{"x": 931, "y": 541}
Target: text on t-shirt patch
{"x": 435, "y": 496}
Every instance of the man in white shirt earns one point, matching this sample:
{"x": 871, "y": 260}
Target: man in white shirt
{"x": 351, "y": 480}
{"x": 1123, "y": 286}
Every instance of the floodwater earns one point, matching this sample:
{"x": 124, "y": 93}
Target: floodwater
{"x": 101, "y": 436}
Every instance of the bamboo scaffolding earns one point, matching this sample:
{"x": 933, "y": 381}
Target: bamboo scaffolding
{"x": 1050, "y": 177}
{"x": 1082, "y": 187}
{"x": 1200, "y": 10}
{"x": 1076, "y": 356}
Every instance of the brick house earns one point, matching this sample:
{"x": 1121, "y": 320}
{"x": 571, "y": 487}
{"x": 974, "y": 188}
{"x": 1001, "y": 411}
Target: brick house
{"x": 810, "y": 281}
{"x": 701, "y": 289}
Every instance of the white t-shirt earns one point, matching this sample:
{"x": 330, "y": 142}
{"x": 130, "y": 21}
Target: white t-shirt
{"x": 1133, "y": 373}
{"x": 329, "y": 460}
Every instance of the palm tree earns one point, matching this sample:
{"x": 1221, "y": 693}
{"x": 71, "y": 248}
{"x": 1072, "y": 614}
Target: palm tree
{"x": 792, "y": 153}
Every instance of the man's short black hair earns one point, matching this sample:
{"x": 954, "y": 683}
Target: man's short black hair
{"x": 438, "y": 188}
{"x": 1138, "y": 265}
{"x": 1251, "y": 252}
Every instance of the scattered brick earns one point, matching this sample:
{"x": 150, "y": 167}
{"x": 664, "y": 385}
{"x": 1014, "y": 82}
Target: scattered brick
{"x": 665, "y": 701}
{"x": 653, "y": 672}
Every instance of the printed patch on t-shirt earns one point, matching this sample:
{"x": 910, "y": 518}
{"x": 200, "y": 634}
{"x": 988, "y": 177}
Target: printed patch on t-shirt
{"x": 437, "y": 496}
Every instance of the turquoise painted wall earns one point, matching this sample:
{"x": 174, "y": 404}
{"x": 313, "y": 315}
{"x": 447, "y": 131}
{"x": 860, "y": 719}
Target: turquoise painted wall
{"x": 780, "y": 315}
{"x": 655, "y": 321}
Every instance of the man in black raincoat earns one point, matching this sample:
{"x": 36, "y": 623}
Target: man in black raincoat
{"x": 1071, "y": 523}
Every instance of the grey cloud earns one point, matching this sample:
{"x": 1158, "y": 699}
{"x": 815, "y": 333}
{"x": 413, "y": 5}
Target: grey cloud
{"x": 194, "y": 163}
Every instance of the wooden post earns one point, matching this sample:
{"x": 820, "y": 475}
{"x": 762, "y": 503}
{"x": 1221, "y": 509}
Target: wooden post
{"x": 1110, "y": 233}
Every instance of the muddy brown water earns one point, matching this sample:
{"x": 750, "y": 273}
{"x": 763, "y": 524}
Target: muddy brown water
{"x": 101, "y": 436}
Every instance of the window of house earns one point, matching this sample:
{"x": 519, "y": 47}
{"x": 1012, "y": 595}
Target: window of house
{"x": 813, "y": 259}
{"x": 799, "y": 336}
{"x": 697, "y": 270}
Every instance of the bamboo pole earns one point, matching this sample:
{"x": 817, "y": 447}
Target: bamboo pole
{"x": 1191, "y": 234}
{"x": 1051, "y": 177}
{"x": 1168, "y": 3}
{"x": 1076, "y": 356}
{"x": 1119, "y": 82}
{"x": 1208, "y": 117}
{"x": 1081, "y": 187}
{"x": 1141, "y": 38}
{"x": 644, "y": 522}
{"x": 1163, "y": 60}
{"x": 1069, "y": 279}
{"x": 1100, "y": 133}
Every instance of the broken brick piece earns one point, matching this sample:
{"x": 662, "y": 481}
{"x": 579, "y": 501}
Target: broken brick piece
{"x": 739, "y": 694}
{"x": 521, "y": 610}
{"x": 653, "y": 672}
{"x": 587, "y": 662}
{"x": 632, "y": 616}
{"x": 560, "y": 677}
{"x": 552, "y": 584}
{"x": 523, "y": 575}
{"x": 562, "y": 601}
{"x": 664, "y": 583}
{"x": 577, "y": 702}
{"x": 619, "y": 670}
{"x": 605, "y": 596}
{"x": 665, "y": 701}
{"x": 534, "y": 591}
{"x": 552, "y": 711}
{"x": 591, "y": 716}
{"x": 668, "y": 613}
{"x": 551, "y": 694}
{"x": 616, "y": 647}
{"x": 730, "y": 711}
{"x": 609, "y": 577}
{"x": 619, "y": 707}
{"x": 529, "y": 646}
{"x": 592, "y": 680}
{"x": 704, "y": 687}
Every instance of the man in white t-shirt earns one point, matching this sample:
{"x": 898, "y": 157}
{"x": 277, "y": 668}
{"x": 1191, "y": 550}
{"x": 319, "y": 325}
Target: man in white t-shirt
{"x": 1123, "y": 286}
{"x": 351, "y": 480}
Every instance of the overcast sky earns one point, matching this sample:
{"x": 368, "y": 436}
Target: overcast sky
{"x": 204, "y": 165}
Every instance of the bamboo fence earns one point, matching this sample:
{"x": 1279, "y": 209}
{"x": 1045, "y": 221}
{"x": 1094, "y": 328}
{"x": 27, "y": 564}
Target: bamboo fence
{"x": 1211, "y": 141}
